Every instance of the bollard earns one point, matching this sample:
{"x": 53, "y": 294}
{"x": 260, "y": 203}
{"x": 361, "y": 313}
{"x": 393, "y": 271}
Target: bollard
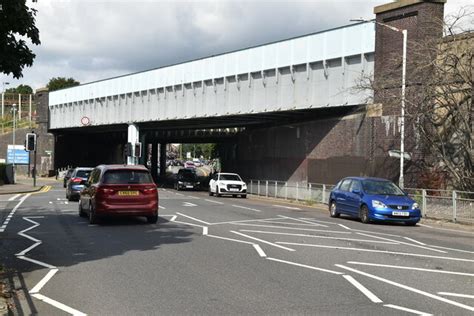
{"x": 323, "y": 198}
{"x": 423, "y": 202}
{"x": 258, "y": 187}
{"x": 454, "y": 206}
{"x": 266, "y": 188}
{"x": 276, "y": 188}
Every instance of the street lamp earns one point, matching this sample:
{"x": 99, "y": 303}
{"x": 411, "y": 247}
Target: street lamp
{"x": 3, "y": 95}
{"x": 14, "y": 151}
{"x": 402, "y": 116}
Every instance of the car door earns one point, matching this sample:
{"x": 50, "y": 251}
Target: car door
{"x": 212, "y": 183}
{"x": 341, "y": 196}
{"x": 353, "y": 197}
{"x": 88, "y": 190}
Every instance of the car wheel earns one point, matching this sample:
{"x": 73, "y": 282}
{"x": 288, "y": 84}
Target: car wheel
{"x": 364, "y": 214}
{"x": 243, "y": 196}
{"x": 92, "y": 216}
{"x": 410, "y": 223}
{"x": 152, "y": 219}
{"x": 332, "y": 210}
{"x": 68, "y": 197}
{"x": 210, "y": 192}
{"x": 217, "y": 193}
{"x": 81, "y": 211}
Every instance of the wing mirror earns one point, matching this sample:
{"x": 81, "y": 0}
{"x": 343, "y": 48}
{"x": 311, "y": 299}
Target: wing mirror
{"x": 356, "y": 192}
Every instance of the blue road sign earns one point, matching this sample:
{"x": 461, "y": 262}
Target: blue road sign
{"x": 18, "y": 154}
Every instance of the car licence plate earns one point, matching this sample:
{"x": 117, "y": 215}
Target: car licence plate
{"x": 396, "y": 213}
{"x": 234, "y": 190}
{"x": 189, "y": 187}
{"x": 128, "y": 193}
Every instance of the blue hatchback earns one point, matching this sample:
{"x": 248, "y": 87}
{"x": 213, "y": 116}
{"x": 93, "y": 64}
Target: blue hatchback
{"x": 373, "y": 199}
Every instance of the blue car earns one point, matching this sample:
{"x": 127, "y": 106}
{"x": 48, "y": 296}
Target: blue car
{"x": 76, "y": 182}
{"x": 373, "y": 199}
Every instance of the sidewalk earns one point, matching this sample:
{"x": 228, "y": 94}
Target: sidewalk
{"x": 24, "y": 185}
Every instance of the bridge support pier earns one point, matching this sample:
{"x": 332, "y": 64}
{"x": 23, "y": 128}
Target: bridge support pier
{"x": 133, "y": 137}
{"x": 163, "y": 161}
{"x": 154, "y": 161}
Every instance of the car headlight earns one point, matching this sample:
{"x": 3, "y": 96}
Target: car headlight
{"x": 198, "y": 182}
{"x": 415, "y": 206}
{"x": 180, "y": 182}
{"x": 378, "y": 204}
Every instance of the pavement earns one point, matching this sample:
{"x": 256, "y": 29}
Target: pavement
{"x": 25, "y": 185}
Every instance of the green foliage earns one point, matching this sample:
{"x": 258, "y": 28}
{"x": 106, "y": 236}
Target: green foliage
{"x": 61, "y": 83}
{"x": 17, "y": 22}
{"x": 22, "y": 89}
{"x": 208, "y": 151}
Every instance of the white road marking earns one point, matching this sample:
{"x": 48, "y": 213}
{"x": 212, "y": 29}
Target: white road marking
{"x": 314, "y": 236}
{"x": 40, "y": 263}
{"x": 243, "y": 221}
{"x": 456, "y": 294}
{"x": 231, "y": 239}
{"x": 58, "y": 305}
{"x": 43, "y": 281}
{"x": 162, "y": 207}
{"x": 193, "y": 197}
{"x": 9, "y": 216}
{"x": 415, "y": 241}
{"x": 288, "y": 223}
{"x": 260, "y": 251}
{"x": 414, "y": 311}
{"x": 371, "y": 296}
{"x": 302, "y": 221}
{"x": 190, "y": 224}
{"x": 409, "y": 268}
{"x": 377, "y": 251}
{"x": 179, "y": 194}
{"x": 305, "y": 266}
{"x": 423, "y": 225}
{"x": 453, "y": 249}
{"x": 263, "y": 241}
{"x": 291, "y": 228}
{"x": 345, "y": 227}
{"x": 216, "y": 202}
{"x": 194, "y": 219}
{"x": 50, "y": 202}
{"x": 403, "y": 243}
{"x": 187, "y": 204}
{"x": 408, "y": 288}
{"x": 246, "y": 208}
{"x": 205, "y": 230}
{"x": 14, "y": 197}
{"x": 317, "y": 221}
{"x": 288, "y": 207}
{"x": 66, "y": 202}
{"x": 449, "y": 230}
{"x": 24, "y": 252}
{"x": 173, "y": 218}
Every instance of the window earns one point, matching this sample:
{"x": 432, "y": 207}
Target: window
{"x": 230, "y": 177}
{"x": 355, "y": 186}
{"x": 127, "y": 177}
{"x": 94, "y": 176}
{"x": 345, "y": 185}
{"x": 81, "y": 173}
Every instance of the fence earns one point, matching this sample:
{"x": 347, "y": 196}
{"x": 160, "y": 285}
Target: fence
{"x": 437, "y": 204}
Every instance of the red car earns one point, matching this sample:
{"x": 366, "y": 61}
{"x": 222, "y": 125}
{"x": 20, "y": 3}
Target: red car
{"x": 119, "y": 190}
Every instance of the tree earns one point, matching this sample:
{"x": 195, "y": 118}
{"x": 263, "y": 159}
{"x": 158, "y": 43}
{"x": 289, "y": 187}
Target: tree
{"x": 17, "y": 21}
{"x": 440, "y": 86}
{"x": 22, "y": 89}
{"x": 61, "y": 83}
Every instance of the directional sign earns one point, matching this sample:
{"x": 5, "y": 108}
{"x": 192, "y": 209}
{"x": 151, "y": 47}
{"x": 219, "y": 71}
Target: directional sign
{"x": 17, "y": 154}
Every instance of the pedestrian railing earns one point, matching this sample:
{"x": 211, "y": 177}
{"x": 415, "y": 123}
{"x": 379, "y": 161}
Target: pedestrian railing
{"x": 437, "y": 204}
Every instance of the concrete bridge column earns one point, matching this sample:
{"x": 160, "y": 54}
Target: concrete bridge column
{"x": 133, "y": 137}
{"x": 163, "y": 161}
{"x": 154, "y": 161}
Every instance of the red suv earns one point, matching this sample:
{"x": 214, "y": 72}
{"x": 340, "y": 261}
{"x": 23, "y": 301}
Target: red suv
{"x": 116, "y": 190}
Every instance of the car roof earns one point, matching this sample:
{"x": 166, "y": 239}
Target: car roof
{"x": 122, "y": 167}
{"x": 84, "y": 168}
{"x": 368, "y": 178}
{"x": 229, "y": 173}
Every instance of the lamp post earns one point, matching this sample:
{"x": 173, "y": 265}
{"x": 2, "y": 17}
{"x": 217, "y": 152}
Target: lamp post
{"x": 402, "y": 115}
{"x": 14, "y": 149}
{"x": 3, "y": 96}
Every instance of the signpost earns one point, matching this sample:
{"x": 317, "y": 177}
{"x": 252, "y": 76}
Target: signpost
{"x": 17, "y": 155}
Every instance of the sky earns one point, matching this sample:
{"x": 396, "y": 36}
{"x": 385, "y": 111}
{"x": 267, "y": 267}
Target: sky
{"x": 90, "y": 40}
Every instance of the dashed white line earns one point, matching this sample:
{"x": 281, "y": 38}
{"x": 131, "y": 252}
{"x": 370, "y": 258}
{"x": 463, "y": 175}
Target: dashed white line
{"x": 43, "y": 281}
{"x": 58, "y": 305}
{"x": 413, "y": 311}
{"x": 373, "y": 250}
{"x": 316, "y": 236}
{"x": 246, "y": 208}
{"x": 263, "y": 241}
{"x": 371, "y": 296}
{"x": 456, "y": 294}
{"x": 415, "y": 241}
{"x": 9, "y": 216}
{"x": 260, "y": 251}
{"x": 305, "y": 266}
{"x": 408, "y": 288}
{"x": 409, "y": 268}
{"x": 216, "y": 202}
{"x": 14, "y": 197}
{"x": 345, "y": 227}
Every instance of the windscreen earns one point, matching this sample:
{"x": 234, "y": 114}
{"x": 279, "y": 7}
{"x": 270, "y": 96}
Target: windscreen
{"x": 127, "y": 177}
{"x": 381, "y": 188}
{"x": 230, "y": 177}
{"x": 187, "y": 176}
{"x": 83, "y": 173}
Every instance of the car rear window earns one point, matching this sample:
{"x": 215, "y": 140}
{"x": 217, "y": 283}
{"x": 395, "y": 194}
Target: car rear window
{"x": 127, "y": 177}
{"x": 83, "y": 173}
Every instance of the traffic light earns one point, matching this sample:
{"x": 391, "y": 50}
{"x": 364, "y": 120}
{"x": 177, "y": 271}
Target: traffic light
{"x": 128, "y": 149}
{"x": 138, "y": 150}
{"x": 30, "y": 142}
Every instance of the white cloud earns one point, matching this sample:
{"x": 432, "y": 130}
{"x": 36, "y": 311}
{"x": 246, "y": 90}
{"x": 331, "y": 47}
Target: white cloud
{"x": 92, "y": 40}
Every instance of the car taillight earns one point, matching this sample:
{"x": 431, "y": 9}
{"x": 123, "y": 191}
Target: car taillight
{"x": 149, "y": 190}
{"x": 105, "y": 191}
{"x": 76, "y": 180}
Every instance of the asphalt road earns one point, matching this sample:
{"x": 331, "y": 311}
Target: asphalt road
{"x": 227, "y": 256}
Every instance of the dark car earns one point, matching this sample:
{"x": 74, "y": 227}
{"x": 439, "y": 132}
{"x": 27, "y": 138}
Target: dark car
{"x": 119, "y": 190}
{"x": 373, "y": 199}
{"x": 187, "y": 179}
{"x": 75, "y": 183}
{"x": 67, "y": 176}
